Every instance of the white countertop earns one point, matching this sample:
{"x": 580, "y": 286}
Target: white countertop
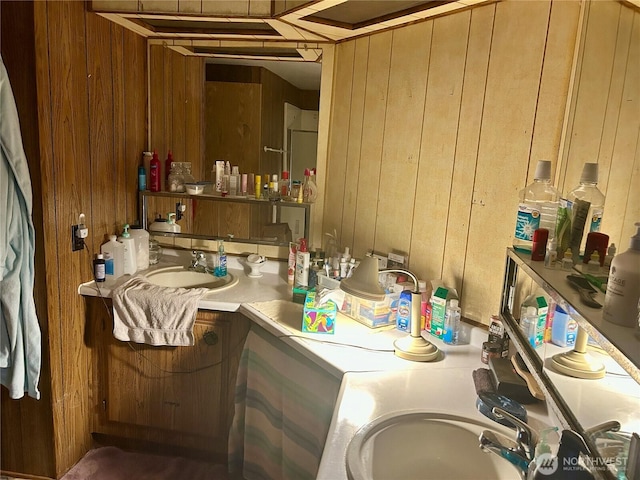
{"x": 374, "y": 381}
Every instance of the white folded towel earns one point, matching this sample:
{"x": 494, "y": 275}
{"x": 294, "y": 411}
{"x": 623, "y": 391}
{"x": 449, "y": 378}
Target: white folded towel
{"x": 147, "y": 313}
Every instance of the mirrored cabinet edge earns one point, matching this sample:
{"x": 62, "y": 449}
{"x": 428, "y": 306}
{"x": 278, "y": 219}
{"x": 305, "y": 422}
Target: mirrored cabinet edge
{"x": 621, "y": 344}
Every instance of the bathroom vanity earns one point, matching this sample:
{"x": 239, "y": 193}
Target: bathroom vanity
{"x": 143, "y": 395}
{"x": 178, "y": 397}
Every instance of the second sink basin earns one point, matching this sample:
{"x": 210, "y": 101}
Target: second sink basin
{"x": 179, "y": 276}
{"x": 424, "y": 445}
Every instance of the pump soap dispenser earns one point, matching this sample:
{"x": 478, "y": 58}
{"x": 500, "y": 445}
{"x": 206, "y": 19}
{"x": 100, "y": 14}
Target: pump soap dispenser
{"x": 623, "y": 286}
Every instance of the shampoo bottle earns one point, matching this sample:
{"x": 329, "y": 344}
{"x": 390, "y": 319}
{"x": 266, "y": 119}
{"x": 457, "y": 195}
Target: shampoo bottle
{"x": 154, "y": 173}
{"x": 130, "y": 264}
{"x": 113, "y": 252}
{"x": 623, "y": 286}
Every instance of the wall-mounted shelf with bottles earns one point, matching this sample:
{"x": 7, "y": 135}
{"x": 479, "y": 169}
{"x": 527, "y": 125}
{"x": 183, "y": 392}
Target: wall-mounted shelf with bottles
{"x": 621, "y": 343}
{"x": 244, "y": 219}
{"x": 578, "y": 403}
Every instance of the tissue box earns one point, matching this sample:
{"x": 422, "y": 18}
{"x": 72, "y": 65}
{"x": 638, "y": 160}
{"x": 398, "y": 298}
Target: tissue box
{"x": 318, "y": 318}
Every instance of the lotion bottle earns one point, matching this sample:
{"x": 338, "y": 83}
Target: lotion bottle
{"x": 303, "y": 259}
{"x": 623, "y": 286}
{"x": 130, "y": 264}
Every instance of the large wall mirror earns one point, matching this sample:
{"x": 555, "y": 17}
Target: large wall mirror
{"x": 604, "y": 127}
{"x": 261, "y": 116}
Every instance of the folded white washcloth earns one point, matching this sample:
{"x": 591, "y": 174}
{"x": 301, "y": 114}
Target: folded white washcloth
{"x": 147, "y": 313}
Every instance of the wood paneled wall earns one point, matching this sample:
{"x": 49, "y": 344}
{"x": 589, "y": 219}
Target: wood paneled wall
{"x": 605, "y": 115}
{"x": 91, "y": 121}
{"x": 435, "y": 127}
{"x": 177, "y": 103}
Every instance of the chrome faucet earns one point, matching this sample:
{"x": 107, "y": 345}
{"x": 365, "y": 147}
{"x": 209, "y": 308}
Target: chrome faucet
{"x": 198, "y": 262}
{"x": 519, "y": 452}
{"x": 506, "y": 448}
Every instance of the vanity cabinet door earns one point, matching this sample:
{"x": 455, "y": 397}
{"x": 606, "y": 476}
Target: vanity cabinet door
{"x": 179, "y": 396}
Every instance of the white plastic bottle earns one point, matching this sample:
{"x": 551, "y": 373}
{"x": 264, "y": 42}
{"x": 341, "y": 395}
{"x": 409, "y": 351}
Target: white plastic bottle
{"x": 451, "y": 323}
{"x": 623, "y": 286}
{"x": 141, "y": 237}
{"x": 588, "y": 192}
{"x": 130, "y": 265}
{"x": 538, "y": 208}
{"x": 303, "y": 259}
{"x": 113, "y": 252}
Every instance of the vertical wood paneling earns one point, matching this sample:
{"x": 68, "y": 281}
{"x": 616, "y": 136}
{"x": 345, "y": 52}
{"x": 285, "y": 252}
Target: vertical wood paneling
{"x": 554, "y": 84}
{"x": 177, "y": 98}
{"x": 466, "y": 153}
{"x": 434, "y": 199}
{"x": 623, "y": 195}
{"x": 134, "y": 88}
{"x": 340, "y": 115}
{"x": 375, "y": 102}
{"x": 194, "y": 112}
{"x": 402, "y": 134}
{"x": 27, "y": 421}
{"x": 354, "y": 147}
{"x": 496, "y": 81}
{"x": 102, "y": 160}
{"x": 592, "y": 94}
{"x": 513, "y": 79}
{"x": 80, "y": 169}
{"x": 70, "y": 196}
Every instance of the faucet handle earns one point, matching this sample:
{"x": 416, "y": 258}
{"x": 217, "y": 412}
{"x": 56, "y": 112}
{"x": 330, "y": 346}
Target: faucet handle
{"x": 525, "y": 435}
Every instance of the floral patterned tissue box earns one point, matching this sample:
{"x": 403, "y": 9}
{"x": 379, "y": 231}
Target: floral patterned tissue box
{"x": 318, "y": 318}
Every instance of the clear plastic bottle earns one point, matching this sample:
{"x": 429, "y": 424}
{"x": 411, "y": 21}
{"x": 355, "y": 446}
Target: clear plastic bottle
{"x": 587, "y": 192}
{"x": 220, "y": 269}
{"x": 528, "y": 324}
{"x": 451, "y": 323}
{"x": 538, "y": 208}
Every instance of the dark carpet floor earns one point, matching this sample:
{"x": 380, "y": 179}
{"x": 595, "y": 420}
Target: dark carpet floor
{"x": 111, "y": 463}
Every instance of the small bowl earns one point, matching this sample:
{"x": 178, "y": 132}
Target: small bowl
{"x": 194, "y": 188}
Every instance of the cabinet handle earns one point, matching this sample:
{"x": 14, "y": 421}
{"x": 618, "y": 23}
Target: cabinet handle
{"x": 210, "y": 337}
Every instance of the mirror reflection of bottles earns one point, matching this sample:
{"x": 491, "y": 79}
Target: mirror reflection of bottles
{"x": 580, "y": 212}
{"x": 623, "y": 286}
{"x": 538, "y": 208}
{"x": 309, "y": 187}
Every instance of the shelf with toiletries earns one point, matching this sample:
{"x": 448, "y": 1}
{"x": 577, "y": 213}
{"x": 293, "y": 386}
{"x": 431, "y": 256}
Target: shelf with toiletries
{"x": 211, "y": 216}
{"x": 621, "y": 343}
{"x": 581, "y": 402}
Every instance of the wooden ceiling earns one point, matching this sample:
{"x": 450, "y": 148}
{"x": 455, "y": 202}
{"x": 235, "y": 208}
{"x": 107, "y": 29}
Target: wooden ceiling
{"x": 290, "y": 30}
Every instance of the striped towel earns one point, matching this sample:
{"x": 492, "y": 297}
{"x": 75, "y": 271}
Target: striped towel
{"x": 283, "y": 409}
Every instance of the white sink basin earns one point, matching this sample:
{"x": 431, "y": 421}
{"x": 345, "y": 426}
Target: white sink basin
{"x": 424, "y": 445}
{"x": 179, "y": 276}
